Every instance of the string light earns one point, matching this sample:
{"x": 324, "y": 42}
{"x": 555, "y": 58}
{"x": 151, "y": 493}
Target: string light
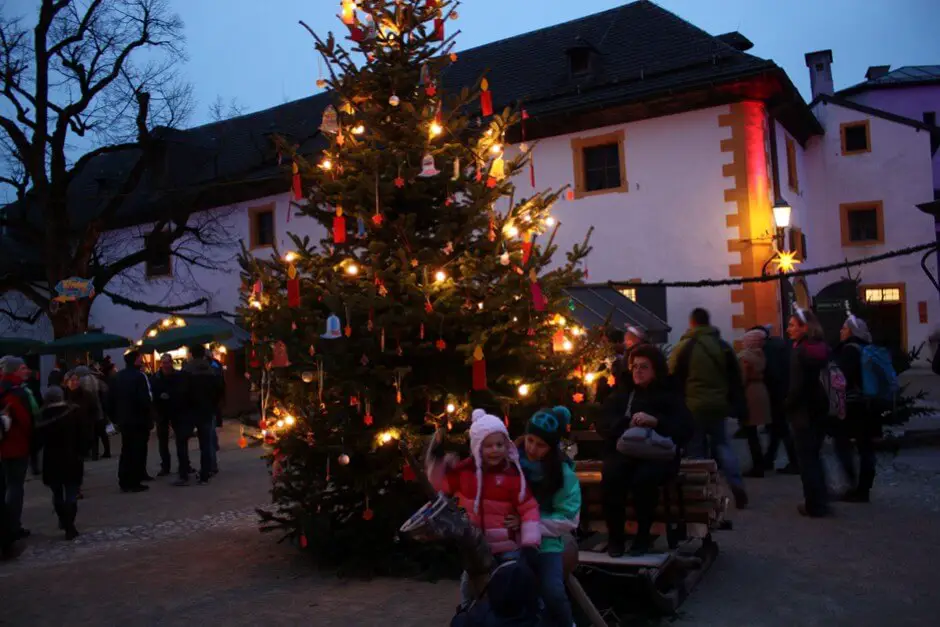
{"x": 152, "y": 333}
{"x": 549, "y": 221}
{"x": 560, "y": 320}
{"x": 589, "y": 377}
{"x": 523, "y": 390}
{"x": 166, "y": 323}
{"x": 326, "y": 164}
{"x": 290, "y": 256}
{"x": 279, "y": 424}
{"x": 496, "y": 149}
{"x": 289, "y": 420}
{"x": 436, "y": 129}
{"x": 512, "y": 231}
{"x": 254, "y": 304}
{"x": 440, "y": 276}
{"x": 451, "y": 408}
{"x": 359, "y": 130}
{"x": 352, "y": 269}
{"x": 480, "y": 305}
{"x": 576, "y": 331}
{"x": 567, "y": 345}
{"x": 387, "y": 436}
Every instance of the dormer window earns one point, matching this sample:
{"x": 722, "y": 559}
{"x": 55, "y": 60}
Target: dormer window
{"x": 579, "y": 61}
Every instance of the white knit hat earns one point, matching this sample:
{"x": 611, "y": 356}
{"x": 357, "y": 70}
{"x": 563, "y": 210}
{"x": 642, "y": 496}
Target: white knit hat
{"x": 481, "y": 426}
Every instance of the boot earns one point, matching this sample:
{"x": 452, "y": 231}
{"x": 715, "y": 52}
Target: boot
{"x": 71, "y": 511}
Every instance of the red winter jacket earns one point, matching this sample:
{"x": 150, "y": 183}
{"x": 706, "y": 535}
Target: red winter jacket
{"x": 15, "y": 443}
{"x": 500, "y": 497}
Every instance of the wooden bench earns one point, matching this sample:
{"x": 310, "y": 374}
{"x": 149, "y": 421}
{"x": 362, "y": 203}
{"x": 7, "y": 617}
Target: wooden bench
{"x": 691, "y": 507}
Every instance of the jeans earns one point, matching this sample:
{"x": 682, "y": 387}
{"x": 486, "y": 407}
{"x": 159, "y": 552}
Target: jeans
{"x": 557, "y": 612}
{"x": 14, "y": 479}
{"x": 64, "y": 493}
{"x": 711, "y": 441}
{"x": 842, "y": 442}
{"x": 163, "y": 442}
{"x": 467, "y": 594}
{"x": 204, "y": 427}
{"x": 808, "y": 439}
{"x": 132, "y": 467}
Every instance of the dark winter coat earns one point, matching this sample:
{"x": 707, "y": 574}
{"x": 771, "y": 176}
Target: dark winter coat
{"x": 64, "y": 435}
{"x": 658, "y": 400}
{"x": 86, "y": 408}
{"x": 203, "y": 385}
{"x": 806, "y": 400}
{"x": 861, "y": 419}
{"x": 131, "y": 401}
{"x": 777, "y": 374}
{"x": 511, "y": 600}
{"x": 168, "y": 392}
{"x": 14, "y": 401}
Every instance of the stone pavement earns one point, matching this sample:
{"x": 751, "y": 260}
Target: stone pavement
{"x": 185, "y": 556}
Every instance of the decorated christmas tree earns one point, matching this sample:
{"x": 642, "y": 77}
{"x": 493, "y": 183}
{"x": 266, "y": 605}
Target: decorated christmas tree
{"x": 433, "y": 291}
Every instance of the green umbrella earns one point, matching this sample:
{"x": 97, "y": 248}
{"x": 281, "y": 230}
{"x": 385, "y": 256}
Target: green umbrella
{"x": 173, "y": 338}
{"x": 18, "y": 345}
{"x": 84, "y": 343}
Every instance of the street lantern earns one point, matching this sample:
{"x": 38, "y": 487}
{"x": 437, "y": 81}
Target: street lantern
{"x": 782, "y": 212}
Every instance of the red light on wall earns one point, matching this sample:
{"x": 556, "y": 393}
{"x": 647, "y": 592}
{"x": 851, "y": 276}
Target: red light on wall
{"x": 922, "y": 311}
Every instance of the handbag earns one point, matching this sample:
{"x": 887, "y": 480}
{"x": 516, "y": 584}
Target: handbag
{"x": 644, "y": 442}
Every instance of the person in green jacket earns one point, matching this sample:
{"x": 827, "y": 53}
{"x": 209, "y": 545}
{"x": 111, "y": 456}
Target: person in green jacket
{"x": 550, "y": 475}
{"x": 706, "y": 368}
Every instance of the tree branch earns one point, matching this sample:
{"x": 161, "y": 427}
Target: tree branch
{"x": 164, "y": 309}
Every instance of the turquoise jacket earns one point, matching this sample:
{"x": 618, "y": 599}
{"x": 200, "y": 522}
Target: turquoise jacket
{"x": 564, "y": 515}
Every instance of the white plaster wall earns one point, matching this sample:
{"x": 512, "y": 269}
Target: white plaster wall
{"x": 798, "y": 199}
{"x": 220, "y": 285}
{"x": 897, "y": 171}
{"x": 670, "y": 225}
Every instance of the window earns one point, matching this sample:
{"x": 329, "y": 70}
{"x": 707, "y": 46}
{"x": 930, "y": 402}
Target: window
{"x": 862, "y": 223}
{"x": 261, "y": 226}
{"x": 159, "y": 260}
{"x": 793, "y": 180}
{"x": 798, "y": 243}
{"x": 579, "y": 60}
{"x": 856, "y": 137}
{"x": 599, "y": 166}
{"x": 629, "y": 292}
{"x": 882, "y": 295}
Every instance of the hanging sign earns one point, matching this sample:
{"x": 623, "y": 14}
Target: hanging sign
{"x": 74, "y": 288}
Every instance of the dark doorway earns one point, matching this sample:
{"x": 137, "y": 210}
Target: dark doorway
{"x": 886, "y": 323}
{"x": 831, "y": 305}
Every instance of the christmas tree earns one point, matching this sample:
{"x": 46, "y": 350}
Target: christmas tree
{"x": 432, "y": 293}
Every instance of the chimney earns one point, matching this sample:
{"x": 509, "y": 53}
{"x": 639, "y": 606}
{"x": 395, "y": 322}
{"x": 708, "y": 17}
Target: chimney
{"x": 820, "y": 71}
{"x": 876, "y": 71}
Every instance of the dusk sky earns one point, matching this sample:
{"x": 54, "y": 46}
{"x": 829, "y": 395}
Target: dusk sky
{"x": 255, "y": 52}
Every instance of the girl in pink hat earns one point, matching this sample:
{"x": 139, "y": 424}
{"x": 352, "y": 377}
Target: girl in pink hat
{"x": 490, "y": 486}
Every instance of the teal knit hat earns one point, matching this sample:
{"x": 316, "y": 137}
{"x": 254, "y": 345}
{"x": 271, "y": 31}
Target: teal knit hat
{"x": 550, "y": 424}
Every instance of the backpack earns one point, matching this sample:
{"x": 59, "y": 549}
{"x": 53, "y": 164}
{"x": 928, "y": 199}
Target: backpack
{"x": 879, "y": 380}
{"x": 833, "y": 383}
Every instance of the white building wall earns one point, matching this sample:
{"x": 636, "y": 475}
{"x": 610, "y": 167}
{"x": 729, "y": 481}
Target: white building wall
{"x": 897, "y": 171}
{"x": 669, "y": 225}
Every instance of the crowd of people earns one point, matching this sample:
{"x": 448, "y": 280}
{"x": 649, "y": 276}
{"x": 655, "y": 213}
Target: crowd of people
{"x": 525, "y": 497}
{"x": 80, "y": 409}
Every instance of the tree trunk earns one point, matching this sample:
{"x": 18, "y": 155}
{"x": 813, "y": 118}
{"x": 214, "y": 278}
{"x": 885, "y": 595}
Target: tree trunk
{"x": 70, "y": 318}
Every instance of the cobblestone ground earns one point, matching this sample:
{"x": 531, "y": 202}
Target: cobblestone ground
{"x": 185, "y": 556}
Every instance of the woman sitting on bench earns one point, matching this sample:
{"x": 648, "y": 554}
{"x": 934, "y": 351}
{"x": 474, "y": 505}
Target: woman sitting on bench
{"x": 646, "y": 400}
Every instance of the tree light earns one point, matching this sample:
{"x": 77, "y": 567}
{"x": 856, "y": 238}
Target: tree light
{"x": 560, "y": 320}
{"x": 358, "y": 130}
{"x": 290, "y": 256}
{"x": 567, "y": 345}
{"x": 496, "y": 149}
{"x": 326, "y": 164}
{"x": 589, "y": 377}
{"x": 352, "y": 269}
{"x": 451, "y": 408}
{"x": 480, "y": 305}
{"x": 436, "y": 129}
{"x": 279, "y": 424}
{"x": 512, "y": 231}
{"x": 576, "y": 331}
{"x": 440, "y": 276}
{"x": 254, "y": 304}
{"x": 523, "y": 390}
{"x": 387, "y": 436}
{"x": 549, "y": 221}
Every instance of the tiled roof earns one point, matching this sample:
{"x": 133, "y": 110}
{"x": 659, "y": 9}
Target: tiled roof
{"x": 642, "y": 51}
{"x": 907, "y": 76}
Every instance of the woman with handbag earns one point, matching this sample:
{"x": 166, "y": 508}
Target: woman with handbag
{"x": 644, "y": 425}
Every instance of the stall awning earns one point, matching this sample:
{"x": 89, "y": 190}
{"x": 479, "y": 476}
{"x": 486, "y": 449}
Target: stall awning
{"x": 594, "y": 304}
{"x": 203, "y": 327}
{"x": 239, "y": 336}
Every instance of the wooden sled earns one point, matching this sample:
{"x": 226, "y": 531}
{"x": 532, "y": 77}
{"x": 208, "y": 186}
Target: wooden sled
{"x": 691, "y": 508}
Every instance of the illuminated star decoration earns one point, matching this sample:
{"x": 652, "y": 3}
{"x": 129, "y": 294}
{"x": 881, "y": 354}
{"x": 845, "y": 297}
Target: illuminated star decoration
{"x": 786, "y": 261}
